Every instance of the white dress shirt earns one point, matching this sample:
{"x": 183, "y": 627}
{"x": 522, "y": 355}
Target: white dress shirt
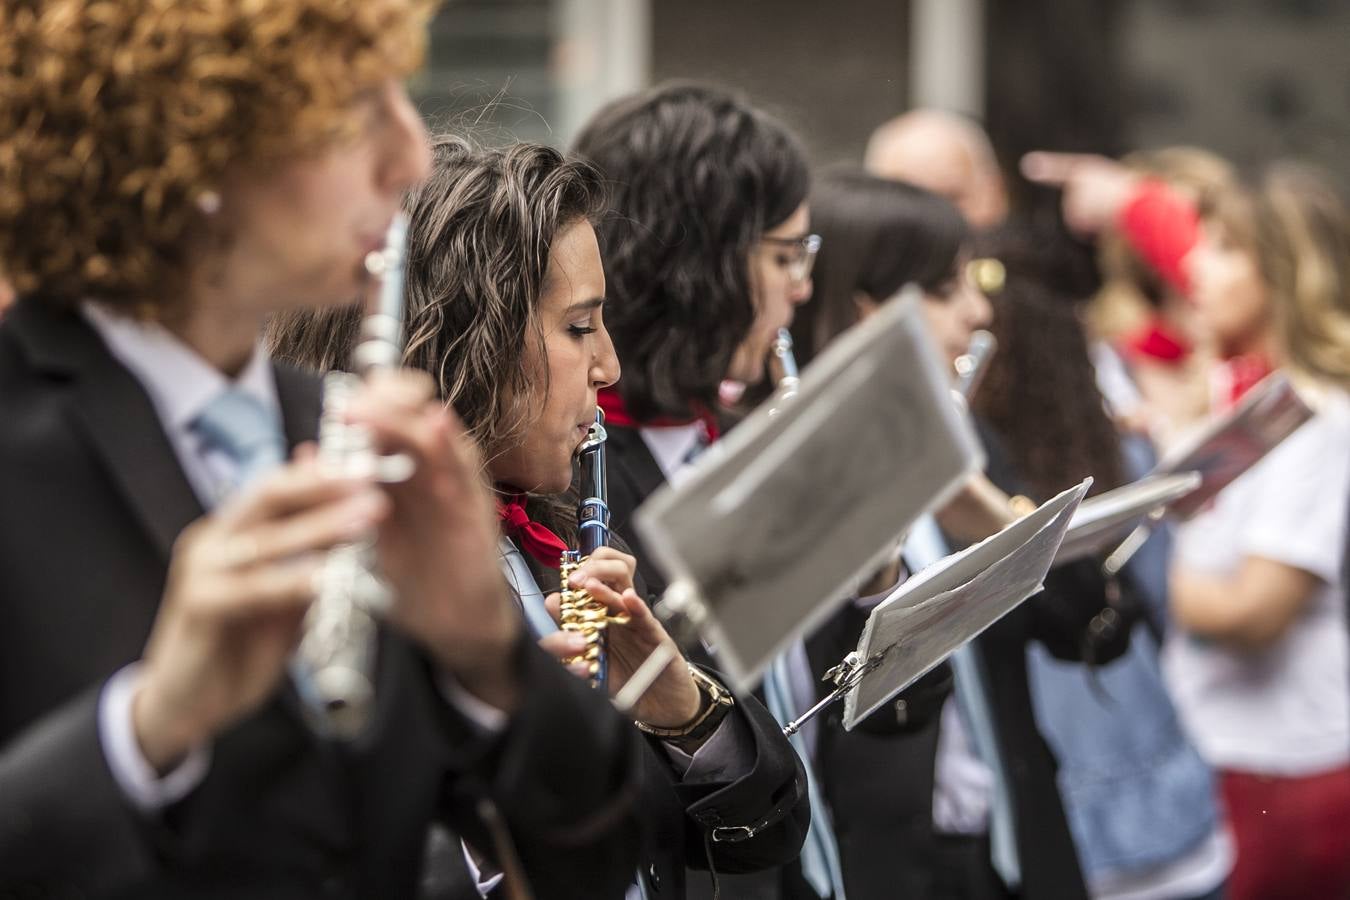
{"x": 674, "y": 447}
{"x": 180, "y": 385}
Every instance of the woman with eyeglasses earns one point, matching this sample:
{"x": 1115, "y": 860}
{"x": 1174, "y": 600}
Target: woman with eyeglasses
{"x": 708, "y": 252}
{"x": 1113, "y": 728}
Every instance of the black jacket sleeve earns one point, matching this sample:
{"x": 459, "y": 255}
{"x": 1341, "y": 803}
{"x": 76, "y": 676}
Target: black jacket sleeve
{"x": 755, "y": 821}
{"x": 62, "y": 811}
{"x": 556, "y": 790}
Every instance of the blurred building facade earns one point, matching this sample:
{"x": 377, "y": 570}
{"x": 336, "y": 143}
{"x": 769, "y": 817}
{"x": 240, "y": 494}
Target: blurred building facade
{"x": 1251, "y": 79}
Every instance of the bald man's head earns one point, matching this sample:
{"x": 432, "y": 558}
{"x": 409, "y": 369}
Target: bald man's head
{"x": 946, "y": 154}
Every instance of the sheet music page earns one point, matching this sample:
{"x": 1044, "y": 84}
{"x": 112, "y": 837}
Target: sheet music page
{"x": 950, "y": 602}
{"x": 775, "y": 523}
{"x": 1102, "y": 522}
{"x": 1224, "y": 448}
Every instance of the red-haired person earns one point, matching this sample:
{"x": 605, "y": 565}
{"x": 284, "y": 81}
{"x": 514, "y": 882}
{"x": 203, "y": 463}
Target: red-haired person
{"x": 172, "y": 175}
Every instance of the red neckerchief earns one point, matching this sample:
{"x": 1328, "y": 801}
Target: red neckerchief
{"x": 535, "y": 539}
{"x": 1243, "y": 374}
{"x": 1157, "y": 342}
{"x": 616, "y": 413}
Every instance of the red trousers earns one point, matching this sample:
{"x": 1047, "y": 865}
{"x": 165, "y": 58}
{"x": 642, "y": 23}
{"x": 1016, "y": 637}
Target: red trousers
{"x": 1293, "y": 835}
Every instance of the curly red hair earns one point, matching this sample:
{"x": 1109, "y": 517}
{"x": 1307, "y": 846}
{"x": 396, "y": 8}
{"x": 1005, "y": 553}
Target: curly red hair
{"x": 117, "y": 116}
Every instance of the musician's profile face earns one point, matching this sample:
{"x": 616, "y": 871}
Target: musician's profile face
{"x": 1230, "y": 298}
{"x": 777, "y": 291}
{"x": 954, "y": 312}
{"x": 578, "y": 360}
{"x": 296, "y": 234}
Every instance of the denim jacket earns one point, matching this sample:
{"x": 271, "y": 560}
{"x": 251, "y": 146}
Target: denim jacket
{"x": 1136, "y": 792}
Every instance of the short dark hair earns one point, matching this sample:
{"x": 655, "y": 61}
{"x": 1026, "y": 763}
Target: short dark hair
{"x": 877, "y": 235}
{"x": 481, "y": 228}
{"x": 697, "y": 176}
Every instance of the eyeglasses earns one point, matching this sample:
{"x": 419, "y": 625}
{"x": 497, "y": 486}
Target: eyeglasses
{"x": 803, "y": 259}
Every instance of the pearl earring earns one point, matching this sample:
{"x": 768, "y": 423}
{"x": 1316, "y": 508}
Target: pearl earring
{"x": 208, "y": 202}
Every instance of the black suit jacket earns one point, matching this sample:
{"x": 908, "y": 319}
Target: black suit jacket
{"x": 878, "y": 779}
{"x": 880, "y": 790}
{"x": 776, "y": 786}
{"x": 94, "y": 498}
{"x": 900, "y": 737}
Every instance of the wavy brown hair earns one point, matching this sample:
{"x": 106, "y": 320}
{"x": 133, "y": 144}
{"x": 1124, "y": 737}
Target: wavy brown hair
{"x": 117, "y": 116}
{"x": 697, "y": 176}
{"x": 1040, "y": 393}
{"x": 481, "y": 229}
{"x": 1297, "y": 226}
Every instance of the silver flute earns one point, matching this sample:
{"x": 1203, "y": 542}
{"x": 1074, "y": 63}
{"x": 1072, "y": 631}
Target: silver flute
{"x": 783, "y": 370}
{"x": 579, "y": 611}
{"x": 972, "y": 365}
{"x": 334, "y": 665}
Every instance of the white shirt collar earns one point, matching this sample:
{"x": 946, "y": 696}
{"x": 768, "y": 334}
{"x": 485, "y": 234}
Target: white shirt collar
{"x": 671, "y": 446}
{"x": 180, "y": 383}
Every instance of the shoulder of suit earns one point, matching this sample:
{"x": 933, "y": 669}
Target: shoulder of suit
{"x": 303, "y": 382}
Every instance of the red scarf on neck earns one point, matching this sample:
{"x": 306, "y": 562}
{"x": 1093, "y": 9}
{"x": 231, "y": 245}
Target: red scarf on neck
{"x": 1242, "y": 373}
{"x": 1157, "y": 342}
{"x": 616, "y": 413}
{"x": 534, "y": 538}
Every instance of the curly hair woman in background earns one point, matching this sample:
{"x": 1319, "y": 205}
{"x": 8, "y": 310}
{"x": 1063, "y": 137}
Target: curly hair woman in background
{"x": 1141, "y": 803}
{"x": 930, "y": 825}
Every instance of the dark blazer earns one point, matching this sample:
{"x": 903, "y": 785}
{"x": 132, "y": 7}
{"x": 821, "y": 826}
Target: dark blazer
{"x": 774, "y": 790}
{"x": 634, "y": 475}
{"x": 680, "y": 815}
{"x": 883, "y": 805}
{"x": 94, "y": 498}
{"x": 901, "y": 736}
{"x": 878, "y": 779}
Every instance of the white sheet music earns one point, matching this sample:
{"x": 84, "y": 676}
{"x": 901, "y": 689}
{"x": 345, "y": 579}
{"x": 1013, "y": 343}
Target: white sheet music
{"x": 1102, "y": 522}
{"x": 1229, "y": 445}
{"x": 774, "y": 523}
{"x": 947, "y": 604}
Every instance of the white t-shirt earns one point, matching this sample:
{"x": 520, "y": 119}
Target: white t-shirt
{"x": 1283, "y": 710}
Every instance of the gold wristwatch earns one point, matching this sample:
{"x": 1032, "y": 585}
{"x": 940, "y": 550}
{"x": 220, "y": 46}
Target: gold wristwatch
{"x": 717, "y": 702}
